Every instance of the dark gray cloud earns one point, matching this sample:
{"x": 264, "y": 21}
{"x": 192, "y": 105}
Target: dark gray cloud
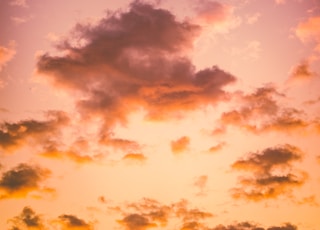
{"x": 28, "y": 219}
{"x": 271, "y": 173}
{"x": 13, "y": 135}
{"x": 23, "y": 179}
{"x": 134, "y": 59}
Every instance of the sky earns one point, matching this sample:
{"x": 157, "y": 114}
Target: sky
{"x": 158, "y": 114}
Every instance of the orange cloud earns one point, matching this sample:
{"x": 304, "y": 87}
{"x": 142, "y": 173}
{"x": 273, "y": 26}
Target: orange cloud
{"x": 28, "y": 219}
{"x": 133, "y": 60}
{"x": 21, "y": 3}
{"x": 71, "y": 155}
{"x": 260, "y": 112}
{"x": 217, "y": 147}
{"x": 13, "y": 135}
{"x": 136, "y": 222}
{"x": 6, "y": 54}
{"x": 253, "y": 226}
{"x": 107, "y": 138}
{"x": 180, "y": 145}
{"x": 272, "y": 173}
{"x": 309, "y": 31}
{"x": 22, "y": 180}
{"x": 216, "y": 15}
{"x": 73, "y": 222}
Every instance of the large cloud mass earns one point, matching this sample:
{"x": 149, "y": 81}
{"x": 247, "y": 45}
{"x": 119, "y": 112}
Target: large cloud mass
{"x": 134, "y": 59}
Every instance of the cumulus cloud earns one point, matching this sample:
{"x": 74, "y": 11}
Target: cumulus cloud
{"x": 7, "y": 53}
{"x": 180, "y": 145}
{"x": 28, "y": 219}
{"x": 301, "y": 72}
{"x": 134, "y": 158}
{"x": 260, "y": 112}
{"x": 309, "y": 31}
{"x": 22, "y": 181}
{"x": 13, "y": 135}
{"x": 73, "y": 222}
{"x": 134, "y": 59}
{"x": 272, "y": 173}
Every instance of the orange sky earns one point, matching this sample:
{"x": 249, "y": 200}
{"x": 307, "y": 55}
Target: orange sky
{"x": 137, "y": 115}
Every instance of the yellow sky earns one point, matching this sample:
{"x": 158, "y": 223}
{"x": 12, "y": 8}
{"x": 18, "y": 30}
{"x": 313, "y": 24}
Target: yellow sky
{"x": 187, "y": 115}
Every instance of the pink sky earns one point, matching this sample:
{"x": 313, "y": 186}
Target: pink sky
{"x": 136, "y": 115}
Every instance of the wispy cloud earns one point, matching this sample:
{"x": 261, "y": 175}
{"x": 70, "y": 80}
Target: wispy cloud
{"x": 309, "y": 31}
{"x": 28, "y": 219}
{"x": 21, "y": 3}
{"x": 7, "y": 53}
{"x": 13, "y": 135}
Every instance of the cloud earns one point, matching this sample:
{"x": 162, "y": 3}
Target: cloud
{"x": 136, "y": 222}
{"x": 216, "y": 15}
{"x": 217, "y": 147}
{"x": 260, "y": 112}
{"x": 13, "y": 135}
{"x": 301, "y": 72}
{"x": 280, "y": 2}
{"x": 21, "y": 3}
{"x": 180, "y": 145}
{"x": 201, "y": 183}
{"x": 272, "y": 173}
{"x": 134, "y": 158}
{"x": 150, "y": 213}
{"x": 22, "y": 181}
{"x": 252, "y": 226}
{"x": 21, "y": 20}
{"x": 54, "y": 153}
{"x": 7, "y": 53}
{"x": 27, "y": 219}
{"x": 251, "y": 19}
{"x": 73, "y": 222}
{"x": 132, "y": 60}
{"x": 108, "y": 139}
{"x": 309, "y": 31}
